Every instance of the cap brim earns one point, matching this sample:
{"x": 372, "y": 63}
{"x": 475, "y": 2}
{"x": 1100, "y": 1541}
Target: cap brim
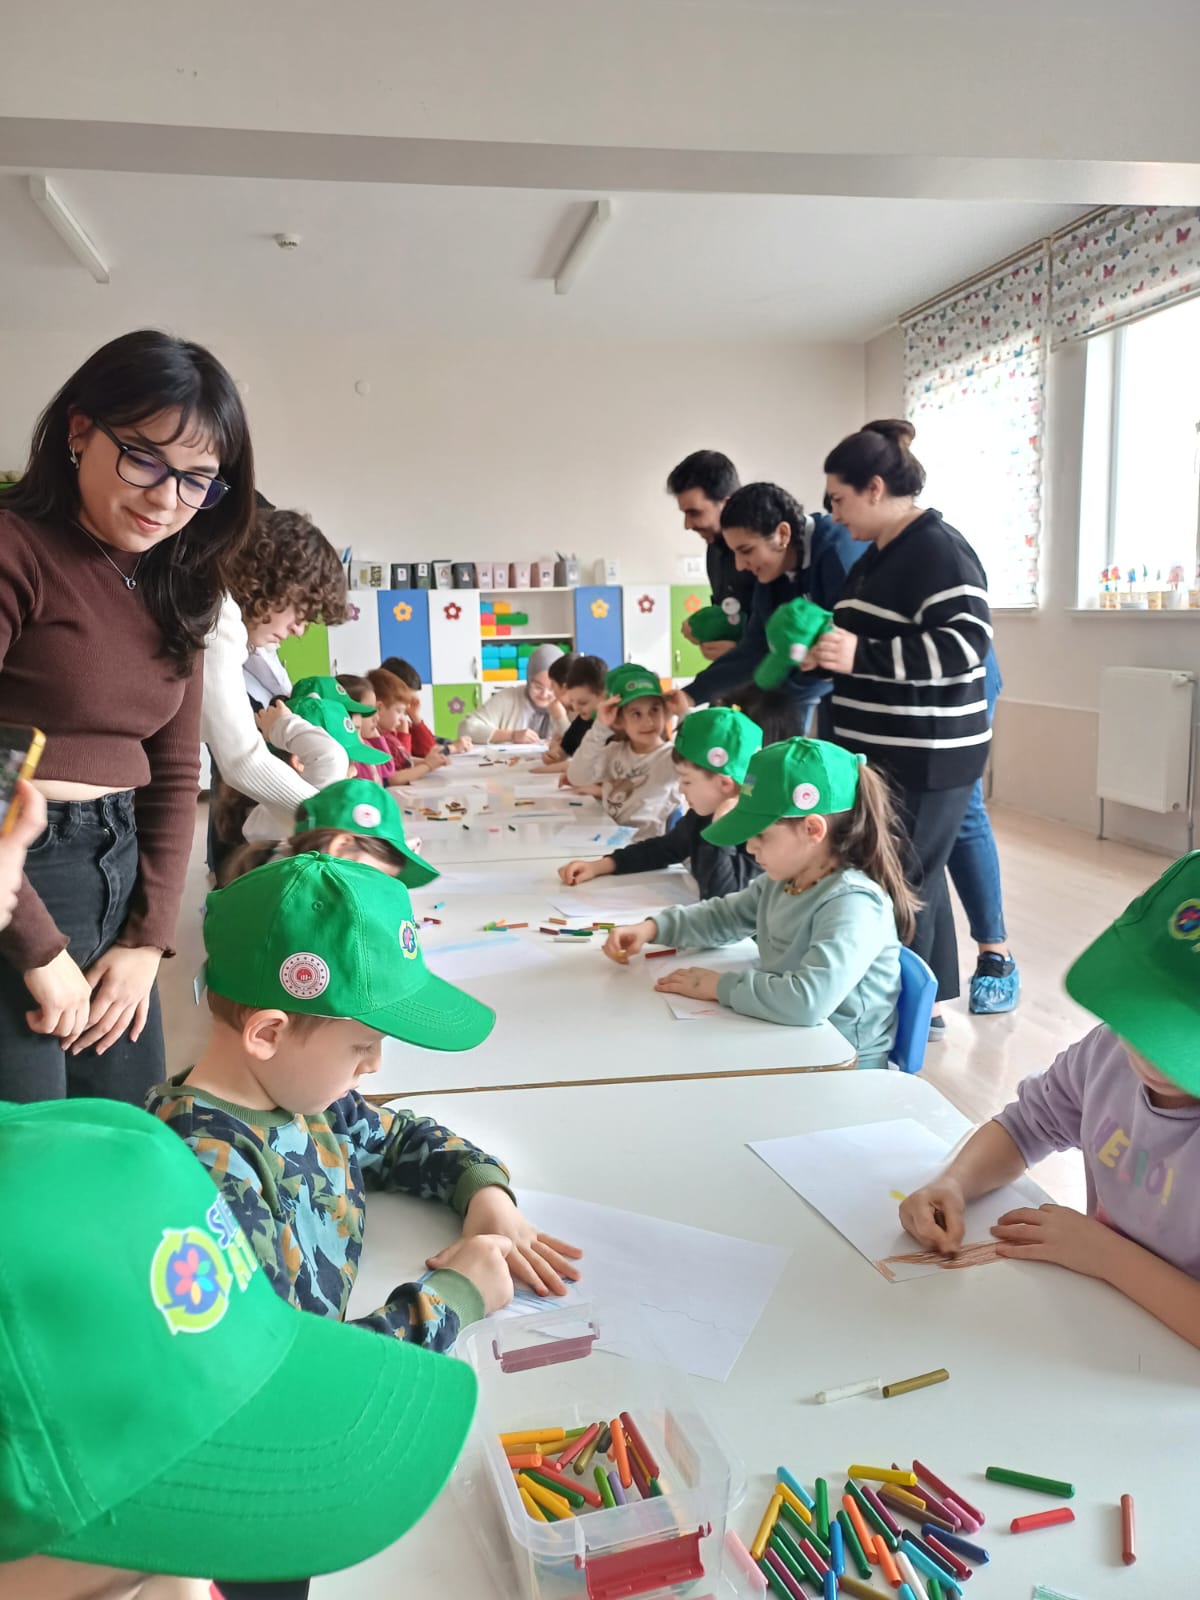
{"x": 367, "y": 754}
{"x": 1114, "y": 981}
{"x": 416, "y": 872}
{"x": 772, "y": 670}
{"x": 438, "y": 1016}
{"x": 738, "y": 825}
{"x": 288, "y": 1487}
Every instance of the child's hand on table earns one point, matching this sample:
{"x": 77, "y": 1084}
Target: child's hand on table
{"x": 523, "y": 736}
{"x": 483, "y": 1259}
{"x": 462, "y": 745}
{"x": 436, "y": 759}
{"x": 630, "y": 941}
{"x": 583, "y": 871}
{"x": 933, "y": 1215}
{"x": 538, "y": 1260}
{"x": 698, "y": 983}
{"x": 1056, "y": 1233}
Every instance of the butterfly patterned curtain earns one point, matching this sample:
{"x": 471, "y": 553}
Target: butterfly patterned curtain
{"x": 975, "y": 381}
{"x": 1121, "y": 265}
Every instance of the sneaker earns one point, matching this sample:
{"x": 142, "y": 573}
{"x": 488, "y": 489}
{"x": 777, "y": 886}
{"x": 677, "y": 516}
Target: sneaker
{"x": 937, "y": 1029}
{"x": 996, "y": 985}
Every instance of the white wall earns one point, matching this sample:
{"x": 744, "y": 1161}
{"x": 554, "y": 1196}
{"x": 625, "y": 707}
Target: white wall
{"x": 506, "y": 449}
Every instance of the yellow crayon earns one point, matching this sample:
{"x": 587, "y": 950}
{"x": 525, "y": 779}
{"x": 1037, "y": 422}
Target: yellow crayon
{"x": 531, "y": 1505}
{"x": 795, "y": 1502}
{"x": 531, "y": 1436}
{"x": 766, "y": 1527}
{"x": 906, "y": 1480}
{"x": 545, "y": 1497}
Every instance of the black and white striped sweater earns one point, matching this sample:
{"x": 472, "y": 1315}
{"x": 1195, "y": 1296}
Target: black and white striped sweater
{"x": 914, "y": 704}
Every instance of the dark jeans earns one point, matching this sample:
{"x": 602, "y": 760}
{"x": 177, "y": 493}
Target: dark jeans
{"x": 295, "y": 1590}
{"x": 974, "y": 862}
{"x": 84, "y": 867}
{"x": 930, "y": 820}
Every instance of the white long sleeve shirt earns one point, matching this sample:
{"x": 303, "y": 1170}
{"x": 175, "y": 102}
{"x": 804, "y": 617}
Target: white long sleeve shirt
{"x": 324, "y": 762}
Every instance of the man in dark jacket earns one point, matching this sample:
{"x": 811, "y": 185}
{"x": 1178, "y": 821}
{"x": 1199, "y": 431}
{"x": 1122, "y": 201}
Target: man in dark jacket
{"x": 701, "y": 484}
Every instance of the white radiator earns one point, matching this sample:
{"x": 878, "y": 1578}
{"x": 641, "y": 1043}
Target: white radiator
{"x": 1145, "y": 747}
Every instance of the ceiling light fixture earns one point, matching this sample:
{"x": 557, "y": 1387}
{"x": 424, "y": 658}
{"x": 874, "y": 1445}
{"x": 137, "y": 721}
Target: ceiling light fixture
{"x": 582, "y": 246}
{"x": 67, "y": 228}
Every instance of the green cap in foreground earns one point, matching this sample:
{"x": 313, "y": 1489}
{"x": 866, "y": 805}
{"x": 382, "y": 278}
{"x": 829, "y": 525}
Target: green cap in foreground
{"x": 1142, "y": 975}
{"x": 716, "y": 624}
{"x": 795, "y": 778}
{"x": 333, "y": 717}
{"x": 333, "y": 938}
{"x": 358, "y": 806}
{"x": 326, "y": 688}
{"x": 187, "y": 1439}
{"x": 634, "y": 683}
{"x": 792, "y": 630}
{"x": 719, "y": 740}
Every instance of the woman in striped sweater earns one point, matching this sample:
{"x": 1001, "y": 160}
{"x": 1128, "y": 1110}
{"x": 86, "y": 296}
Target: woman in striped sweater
{"x": 907, "y": 655}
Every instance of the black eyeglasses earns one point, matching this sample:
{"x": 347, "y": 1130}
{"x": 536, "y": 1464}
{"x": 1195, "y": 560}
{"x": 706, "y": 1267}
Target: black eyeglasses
{"x": 146, "y": 471}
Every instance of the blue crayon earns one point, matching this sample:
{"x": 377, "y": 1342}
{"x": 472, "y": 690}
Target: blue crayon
{"x": 797, "y": 1489}
{"x": 904, "y": 1592}
{"x": 930, "y": 1567}
{"x": 837, "y": 1548}
{"x": 614, "y": 1483}
{"x": 961, "y": 1547}
{"x": 830, "y": 1588}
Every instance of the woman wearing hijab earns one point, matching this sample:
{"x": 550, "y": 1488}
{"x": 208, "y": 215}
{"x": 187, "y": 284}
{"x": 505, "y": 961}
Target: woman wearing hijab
{"x": 522, "y": 713}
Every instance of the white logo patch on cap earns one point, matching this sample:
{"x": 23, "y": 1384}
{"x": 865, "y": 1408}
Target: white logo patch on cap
{"x": 798, "y": 652}
{"x": 367, "y": 816}
{"x": 718, "y": 757}
{"x": 732, "y": 607}
{"x": 304, "y": 976}
{"x": 347, "y": 724}
{"x": 806, "y": 796}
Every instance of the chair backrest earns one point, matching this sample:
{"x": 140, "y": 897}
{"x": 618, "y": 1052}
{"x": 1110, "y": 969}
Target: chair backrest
{"x": 918, "y": 991}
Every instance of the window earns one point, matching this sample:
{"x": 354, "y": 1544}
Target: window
{"x": 1140, "y": 500}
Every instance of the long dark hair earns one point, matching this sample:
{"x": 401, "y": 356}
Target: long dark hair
{"x": 182, "y": 580}
{"x": 879, "y": 450}
{"x": 868, "y": 837}
{"x": 242, "y": 861}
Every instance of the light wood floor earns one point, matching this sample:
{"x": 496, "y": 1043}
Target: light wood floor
{"x": 1061, "y": 887}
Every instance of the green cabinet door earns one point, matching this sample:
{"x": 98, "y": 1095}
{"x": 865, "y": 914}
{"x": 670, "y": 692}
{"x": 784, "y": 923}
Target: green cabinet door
{"x": 686, "y": 660}
{"x": 308, "y": 655}
{"x": 451, "y": 702}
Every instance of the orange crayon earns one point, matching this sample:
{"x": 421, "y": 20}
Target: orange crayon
{"x": 865, "y": 1537}
{"x": 890, "y": 1570}
{"x": 620, "y": 1454}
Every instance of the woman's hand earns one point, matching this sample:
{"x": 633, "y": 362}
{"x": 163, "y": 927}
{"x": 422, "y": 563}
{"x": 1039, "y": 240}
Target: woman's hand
{"x": 716, "y": 648}
{"x": 833, "y": 651}
{"x": 933, "y": 1215}
{"x": 630, "y": 941}
{"x": 520, "y": 736}
{"x": 28, "y": 827}
{"x": 537, "y": 1259}
{"x": 462, "y": 744}
{"x": 121, "y": 981}
{"x": 63, "y": 997}
{"x": 698, "y": 983}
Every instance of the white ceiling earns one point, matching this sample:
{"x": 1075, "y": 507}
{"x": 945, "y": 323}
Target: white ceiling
{"x": 404, "y": 261}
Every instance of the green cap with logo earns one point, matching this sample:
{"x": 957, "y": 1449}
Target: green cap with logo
{"x": 360, "y": 807}
{"x": 633, "y": 683}
{"x": 792, "y": 630}
{"x": 180, "y": 1444}
{"x": 795, "y": 778}
{"x": 720, "y": 740}
{"x": 333, "y": 717}
{"x": 715, "y": 624}
{"x": 1142, "y": 975}
{"x": 616, "y": 676}
{"x": 326, "y": 688}
{"x": 334, "y": 938}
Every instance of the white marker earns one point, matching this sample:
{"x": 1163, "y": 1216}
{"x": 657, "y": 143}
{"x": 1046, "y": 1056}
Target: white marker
{"x": 848, "y": 1390}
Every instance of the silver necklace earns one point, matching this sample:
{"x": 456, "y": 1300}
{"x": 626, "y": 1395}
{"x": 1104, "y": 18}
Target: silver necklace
{"x": 128, "y": 579}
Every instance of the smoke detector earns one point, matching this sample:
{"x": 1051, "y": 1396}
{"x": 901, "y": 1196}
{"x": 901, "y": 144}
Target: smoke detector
{"x": 288, "y": 241}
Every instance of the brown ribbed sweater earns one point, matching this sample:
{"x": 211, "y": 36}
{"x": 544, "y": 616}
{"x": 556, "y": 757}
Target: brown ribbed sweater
{"x": 80, "y": 659}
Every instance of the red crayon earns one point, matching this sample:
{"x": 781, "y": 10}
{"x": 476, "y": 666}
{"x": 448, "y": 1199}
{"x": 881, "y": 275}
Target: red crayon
{"x": 1128, "y": 1553}
{"x": 814, "y": 1555}
{"x": 584, "y": 1439}
{"x": 633, "y": 1434}
{"x": 653, "y": 955}
{"x": 640, "y": 1479}
{"x": 957, "y": 1565}
{"x": 1042, "y": 1519}
{"x": 945, "y": 1490}
{"x": 559, "y": 1476}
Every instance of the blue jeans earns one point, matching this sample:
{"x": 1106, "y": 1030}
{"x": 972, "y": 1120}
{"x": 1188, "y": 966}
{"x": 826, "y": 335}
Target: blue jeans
{"x": 974, "y": 862}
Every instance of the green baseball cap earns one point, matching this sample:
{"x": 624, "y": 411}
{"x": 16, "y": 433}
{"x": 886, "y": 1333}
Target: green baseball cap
{"x": 1142, "y": 975}
{"x": 713, "y": 624}
{"x": 358, "y": 806}
{"x": 333, "y": 717}
{"x": 636, "y": 684}
{"x": 792, "y": 630}
{"x": 178, "y": 1443}
{"x": 334, "y": 938}
{"x": 795, "y": 778}
{"x": 328, "y": 689}
{"x": 616, "y": 676}
{"x": 719, "y": 740}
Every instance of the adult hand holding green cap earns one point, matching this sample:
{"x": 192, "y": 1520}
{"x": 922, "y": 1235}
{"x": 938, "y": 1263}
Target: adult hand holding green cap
{"x": 718, "y": 624}
{"x": 792, "y": 630}
{"x": 328, "y": 688}
{"x": 334, "y": 718}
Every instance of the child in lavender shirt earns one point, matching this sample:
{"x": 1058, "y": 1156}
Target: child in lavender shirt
{"x": 1126, "y": 1096}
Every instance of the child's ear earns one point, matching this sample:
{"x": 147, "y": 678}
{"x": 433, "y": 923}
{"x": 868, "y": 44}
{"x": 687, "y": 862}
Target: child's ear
{"x": 262, "y": 1034}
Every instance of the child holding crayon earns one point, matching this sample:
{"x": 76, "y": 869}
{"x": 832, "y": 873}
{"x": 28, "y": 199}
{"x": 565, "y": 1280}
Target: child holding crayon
{"x": 625, "y": 757}
{"x": 1126, "y": 1095}
{"x": 583, "y": 690}
{"x": 828, "y": 913}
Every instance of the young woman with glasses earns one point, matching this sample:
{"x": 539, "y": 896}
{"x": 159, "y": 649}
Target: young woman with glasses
{"x": 114, "y": 552}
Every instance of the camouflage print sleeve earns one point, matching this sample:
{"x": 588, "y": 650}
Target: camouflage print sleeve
{"x": 428, "y": 1313}
{"x": 415, "y": 1155}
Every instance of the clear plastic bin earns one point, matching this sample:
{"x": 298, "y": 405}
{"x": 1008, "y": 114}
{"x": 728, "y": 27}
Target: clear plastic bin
{"x": 569, "y": 1367}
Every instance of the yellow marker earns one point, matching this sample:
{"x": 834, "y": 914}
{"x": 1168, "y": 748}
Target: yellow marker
{"x": 906, "y": 1480}
{"x": 531, "y": 1436}
{"x": 545, "y": 1497}
{"x": 531, "y": 1505}
{"x": 766, "y": 1527}
{"x": 795, "y": 1502}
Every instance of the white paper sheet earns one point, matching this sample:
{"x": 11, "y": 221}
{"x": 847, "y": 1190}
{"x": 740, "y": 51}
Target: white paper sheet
{"x": 603, "y": 900}
{"x": 701, "y": 1293}
{"x": 685, "y": 1010}
{"x": 481, "y": 958}
{"x": 857, "y": 1177}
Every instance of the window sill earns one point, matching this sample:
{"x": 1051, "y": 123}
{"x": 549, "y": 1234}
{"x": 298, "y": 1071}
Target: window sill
{"x": 1095, "y": 611}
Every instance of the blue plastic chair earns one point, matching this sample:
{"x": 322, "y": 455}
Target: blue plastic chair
{"x": 918, "y": 991}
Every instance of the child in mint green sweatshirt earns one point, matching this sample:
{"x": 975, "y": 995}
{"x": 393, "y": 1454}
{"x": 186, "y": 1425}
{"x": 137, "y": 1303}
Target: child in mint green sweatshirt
{"x": 829, "y": 912}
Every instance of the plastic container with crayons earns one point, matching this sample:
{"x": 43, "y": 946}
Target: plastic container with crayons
{"x": 567, "y": 1367}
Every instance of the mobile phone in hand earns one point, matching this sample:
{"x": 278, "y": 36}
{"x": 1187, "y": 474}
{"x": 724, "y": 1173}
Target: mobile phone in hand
{"x": 20, "y": 751}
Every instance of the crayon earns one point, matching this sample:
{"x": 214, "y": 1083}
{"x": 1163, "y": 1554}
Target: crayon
{"x": 865, "y": 1537}
{"x": 578, "y": 1445}
{"x": 931, "y": 1566}
{"x": 546, "y": 1498}
{"x": 821, "y": 1546}
{"x": 438, "y": 905}
{"x": 640, "y": 1480}
{"x": 566, "y": 1491}
{"x": 1128, "y": 1551}
{"x": 903, "y": 1506}
{"x": 831, "y": 1586}
{"x": 614, "y": 1483}
{"x": 584, "y": 1459}
{"x": 852, "y": 1544}
{"x": 511, "y": 925}
{"x": 908, "y": 1573}
{"x": 531, "y": 1436}
{"x": 620, "y": 1454}
{"x": 606, "y": 1494}
{"x": 904, "y": 1480}
{"x": 776, "y": 1581}
{"x": 785, "y": 1559}
{"x": 548, "y": 930}
{"x": 769, "y": 1518}
{"x": 653, "y": 955}
{"x": 862, "y": 1591}
{"x": 744, "y": 1560}
{"x": 847, "y": 1391}
{"x": 872, "y": 1516}
{"x": 559, "y": 921}
{"x": 531, "y": 1505}
{"x": 561, "y": 1484}
{"x": 889, "y": 1522}
{"x": 518, "y": 1463}
{"x": 934, "y": 1590}
{"x": 960, "y": 1546}
{"x": 1026, "y": 1480}
{"x": 793, "y": 1510}
{"x": 797, "y": 1489}
{"x": 922, "y": 1381}
{"x": 944, "y": 1490}
{"x": 959, "y": 1567}
{"x": 787, "y": 1547}
{"x": 956, "y": 1508}
{"x": 633, "y": 1434}
{"x": 815, "y": 1557}
{"x": 837, "y": 1547}
{"x": 655, "y": 1489}
{"x": 890, "y": 1570}
{"x": 1041, "y": 1519}
{"x": 821, "y": 1514}
{"x": 893, "y": 1496}
{"x": 906, "y": 1592}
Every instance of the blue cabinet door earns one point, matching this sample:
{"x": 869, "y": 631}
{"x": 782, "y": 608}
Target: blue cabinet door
{"x": 404, "y": 628}
{"x": 598, "y": 630}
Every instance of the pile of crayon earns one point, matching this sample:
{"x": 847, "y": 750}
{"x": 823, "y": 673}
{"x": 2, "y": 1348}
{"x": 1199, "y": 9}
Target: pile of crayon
{"x": 551, "y": 1468}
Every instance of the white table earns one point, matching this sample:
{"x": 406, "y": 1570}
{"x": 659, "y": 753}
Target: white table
{"x": 1050, "y": 1372}
{"x": 576, "y": 1017}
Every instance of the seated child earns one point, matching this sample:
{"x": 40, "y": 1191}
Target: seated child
{"x": 824, "y": 913}
{"x": 625, "y": 757}
{"x": 312, "y": 961}
{"x": 395, "y": 707}
{"x": 423, "y": 737}
{"x": 712, "y": 750}
{"x": 1126, "y": 1095}
{"x": 581, "y": 699}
